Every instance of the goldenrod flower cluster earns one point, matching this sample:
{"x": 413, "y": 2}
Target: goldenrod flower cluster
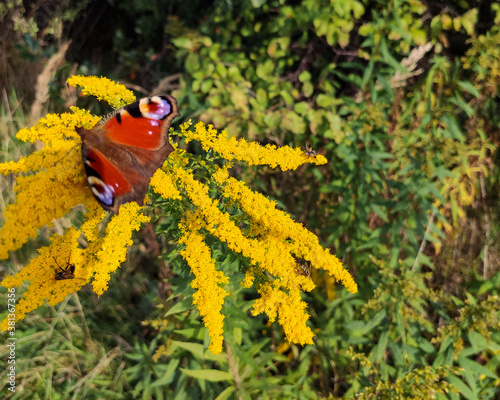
{"x": 270, "y": 240}
{"x": 114, "y": 94}
{"x": 251, "y": 152}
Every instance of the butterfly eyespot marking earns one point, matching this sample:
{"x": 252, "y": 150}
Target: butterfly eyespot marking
{"x": 155, "y": 107}
{"x": 103, "y": 192}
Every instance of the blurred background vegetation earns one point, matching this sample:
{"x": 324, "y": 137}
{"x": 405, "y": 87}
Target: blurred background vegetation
{"x": 403, "y": 99}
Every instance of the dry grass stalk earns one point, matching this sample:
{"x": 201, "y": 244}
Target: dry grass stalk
{"x": 43, "y": 81}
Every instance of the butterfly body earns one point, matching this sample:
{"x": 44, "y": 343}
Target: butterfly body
{"x": 123, "y": 151}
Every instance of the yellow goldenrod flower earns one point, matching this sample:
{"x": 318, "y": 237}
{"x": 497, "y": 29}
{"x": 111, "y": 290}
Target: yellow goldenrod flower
{"x": 163, "y": 183}
{"x": 273, "y": 252}
{"x": 105, "y": 89}
{"x": 57, "y": 185}
{"x": 112, "y": 248}
{"x": 41, "y": 271}
{"x": 268, "y": 219}
{"x": 253, "y": 153}
{"x": 98, "y": 260}
{"x": 272, "y": 242}
{"x": 90, "y": 227}
{"x": 209, "y": 296}
{"x": 47, "y": 195}
{"x": 55, "y": 182}
{"x": 291, "y": 310}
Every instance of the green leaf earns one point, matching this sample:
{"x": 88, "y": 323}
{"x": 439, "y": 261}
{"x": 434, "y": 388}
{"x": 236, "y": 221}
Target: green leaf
{"x": 287, "y": 97}
{"x": 221, "y": 70}
{"x": 376, "y": 320}
{"x": 211, "y": 375}
{"x": 458, "y": 101}
{"x": 357, "y": 9}
{"x": 181, "y": 306}
{"x": 301, "y": 108}
{"x": 389, "y": 59}
{"x": 380, "y": 155}
{"x": 478, "y": 341}
{"x": 206, "y": 85}
{"x": 305, "y": 76}
{"x": 368, "y": 73}
{"x": 226, "y": 393}
{"x": 382, "y": 213}
{"x": 324, "y": 101}
{"x": 240, "y": 99}
{"x": 192, "y": 63}
{"x": 381, "y": 346}
{"x": 194, "y": 348}
{"x": 191, "y": 333}
{"x": 462, "y": 388}
{"x": 356, "y": 328}
{"x": 261, "y": 97}
{"x": 264, "y": 70}
{"x": 473, "y": 366}
{"x": 426, "y": 346}
{"x": 257, "y": 3}
{"x": 183, "y": 43}
{"x": 293, "y": 122}
{"x": 237, "y": 335}
{"x": 308, "y": 89}
{"x": 469, "y": 87}
{"x": 452, "y": 127}
{"x": 493, "y": 282}
{"x": 166, "y": 376}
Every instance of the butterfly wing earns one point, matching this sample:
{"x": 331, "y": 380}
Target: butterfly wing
{"x": 124, "y": 150}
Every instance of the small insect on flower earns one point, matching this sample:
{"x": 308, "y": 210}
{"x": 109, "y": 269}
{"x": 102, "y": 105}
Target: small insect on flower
{"x": 65, "y": 273}
{"x": 309, "y": 151}
{"x": 305, "y": 269}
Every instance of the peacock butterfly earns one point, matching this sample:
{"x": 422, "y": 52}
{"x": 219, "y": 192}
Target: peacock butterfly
{"x": 123, "y": 150}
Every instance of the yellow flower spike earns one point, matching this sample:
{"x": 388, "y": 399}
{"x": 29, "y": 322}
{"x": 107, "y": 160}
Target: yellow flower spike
{"x": 54, "y": 127}
{"x": 59, "y": 184}
{"x": 113, "y": 247}
{"x": 250, "y": 275}
{"x": 53, "y": 130}
{"x": 271, "y": 242}
{"x": 268, "y": 219}
{"x": 185, "y": 125}
{"x": 290, "y": 310}
{"x": 270, "y": 253}
{"x": 163, "y": 183}
{"x": 209, "y": 296}
{"x": 41, "y": 273}
{"x": 37, "y": 159}
{"x": 285, "y": 157}
{"x": 56, "y": 181}
{"x": 90, "y": 227}
{"x": 105, "y": 89}
{"x": 41, "y": 198}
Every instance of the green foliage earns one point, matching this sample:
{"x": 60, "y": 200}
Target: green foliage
{"x": 402, "y": 98}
